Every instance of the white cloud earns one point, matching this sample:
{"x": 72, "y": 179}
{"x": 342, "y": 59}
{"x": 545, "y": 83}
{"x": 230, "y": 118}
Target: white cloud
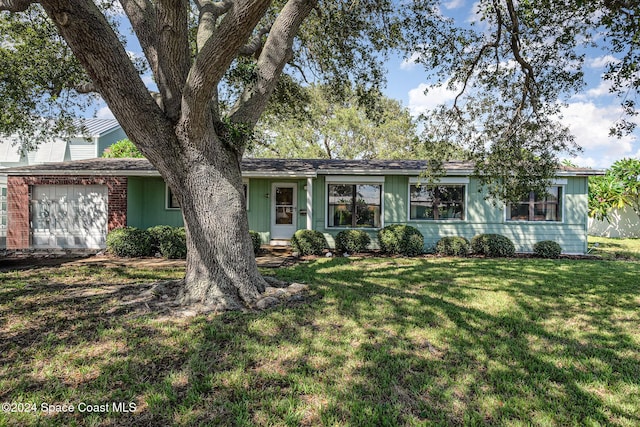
{"x": 454, "y": 4}
{"x": 410, "y": 62}
{"x": 474, "y": 13}
{"x": 584, "y": 162}
{"x": 603, "y": 89}
{"x": 590, "y": 125}
{"x": 104, "y": 113}
{"x": 602, "y": 61}
{"x": 419, "y": 102}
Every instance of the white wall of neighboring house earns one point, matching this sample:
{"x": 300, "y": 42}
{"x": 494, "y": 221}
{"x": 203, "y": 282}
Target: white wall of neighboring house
{"x": 100, "y": 133}
{"x": 623, "y": 223}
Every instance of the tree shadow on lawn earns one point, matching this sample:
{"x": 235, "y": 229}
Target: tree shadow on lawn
{"x": 396, "y": 342}
{"x": 520, "y": 360}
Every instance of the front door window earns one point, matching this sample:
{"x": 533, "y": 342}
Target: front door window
{"x": 284, "y": 205}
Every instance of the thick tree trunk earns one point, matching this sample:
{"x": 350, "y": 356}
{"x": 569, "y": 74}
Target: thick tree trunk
{"x": 221, "y": 269}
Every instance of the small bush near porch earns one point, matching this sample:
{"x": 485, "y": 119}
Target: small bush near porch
{"x": 376, "y": 342}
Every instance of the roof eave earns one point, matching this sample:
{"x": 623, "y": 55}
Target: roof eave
{"x": 408, "y": 172}
{"x": 143, "y": 173}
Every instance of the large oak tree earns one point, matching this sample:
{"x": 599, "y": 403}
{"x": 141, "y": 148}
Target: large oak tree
{"x": 217, "y": 64}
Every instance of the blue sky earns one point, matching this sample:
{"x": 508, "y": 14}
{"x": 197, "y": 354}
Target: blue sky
{"x": 589, "y": 114}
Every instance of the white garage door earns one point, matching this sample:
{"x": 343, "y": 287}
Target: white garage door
{"x": 69, "y": 216}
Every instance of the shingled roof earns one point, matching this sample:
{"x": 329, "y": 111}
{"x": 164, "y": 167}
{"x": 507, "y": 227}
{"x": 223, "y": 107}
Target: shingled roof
{"x": 253, "y": 167}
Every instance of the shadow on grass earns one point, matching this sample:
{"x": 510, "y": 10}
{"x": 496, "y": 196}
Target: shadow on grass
{"x": 380, "y": 342}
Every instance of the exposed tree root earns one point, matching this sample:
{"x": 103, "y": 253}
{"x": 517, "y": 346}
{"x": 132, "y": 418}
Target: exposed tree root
{"x": 164, "y": 298}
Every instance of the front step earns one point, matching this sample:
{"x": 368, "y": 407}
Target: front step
{"x": 280, "y": 242}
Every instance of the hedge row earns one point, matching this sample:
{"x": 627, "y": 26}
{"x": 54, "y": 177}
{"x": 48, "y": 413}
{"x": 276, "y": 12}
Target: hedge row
{"x": 395, "y": 239}
{"x": 492, "y": 245}
{"x": 169, "y": 242}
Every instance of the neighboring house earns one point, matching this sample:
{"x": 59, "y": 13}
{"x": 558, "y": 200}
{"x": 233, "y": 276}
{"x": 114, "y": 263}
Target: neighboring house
{"x": 623, "y": 223}
{"x": 97, "y": 136}
{"x": 75, "y": 204}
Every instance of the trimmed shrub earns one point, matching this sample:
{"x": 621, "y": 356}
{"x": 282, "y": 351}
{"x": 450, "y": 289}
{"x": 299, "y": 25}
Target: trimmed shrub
{"x": 171, "y": 242}
{"x": 401, "y": 239}
{"x": 129, "y": 242}
{"x": 174, "y": 246}
{"x": 492, "y": 245}
{"x": 452, "y": 246}
{"x": 158, "y": 234}
{"x": 547, "y": 249}
{"x": 308, "y": 242}
{"x": 352, "y": 241}
{"x": 256, "y": 241}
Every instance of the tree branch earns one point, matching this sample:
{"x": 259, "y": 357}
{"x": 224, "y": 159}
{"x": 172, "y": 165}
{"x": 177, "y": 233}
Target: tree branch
{"x": 215, "y": 57}
{"x": 173, "y": 53}
{"x": 274, "y": 56}
{"x": 15, "y": 5}
{"x": 528, "y": 91}
{"x": 209, "y": 14}
{"x": 142, "y": 16}
{"x": 107, "y": 64}
{"x": 495, "y": 44}
{"x": 254, "y": 47}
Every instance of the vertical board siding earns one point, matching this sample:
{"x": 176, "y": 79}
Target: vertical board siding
{"x": 146, "y": 204}
{"x": 481, "y": 216}
{"x": 260, "y": 207}
{"x": 147, "y": 207}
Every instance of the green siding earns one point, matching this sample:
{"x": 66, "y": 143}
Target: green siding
{"x": 481, "y": 216}
{"x": 259, "y": 206}
{"x": 147, "y": 207}
{"x": 146, "y": 204}
{"x": 395, "y": 199}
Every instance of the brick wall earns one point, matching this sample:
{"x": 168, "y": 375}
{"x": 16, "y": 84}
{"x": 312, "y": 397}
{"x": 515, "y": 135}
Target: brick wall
{"x": 18, "y": 202}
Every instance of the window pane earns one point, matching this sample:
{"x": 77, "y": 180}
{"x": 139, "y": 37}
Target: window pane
{"x": 284, "y": 206}
{"x": 284, "y": 215}
{"x": 368, "y": 205}
{"x": 172, "y": 202}
{"x": 284, "y": 196}
{"x": 340, "y": 205}
{"x": 519, "y": 212}
{"x": 354, "y": 205}
{"x": 442, "y": 202}
{"x": 537, "y": 208}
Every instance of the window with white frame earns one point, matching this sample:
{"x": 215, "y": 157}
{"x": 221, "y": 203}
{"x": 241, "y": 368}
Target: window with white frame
{"x": 436, "y": 202}
{"x": 354, "y": 205}
{"x": 172, "y": 200}
{"x": 535, "y": 207}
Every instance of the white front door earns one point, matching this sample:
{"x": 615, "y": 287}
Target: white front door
{"x": 284, "y": 210}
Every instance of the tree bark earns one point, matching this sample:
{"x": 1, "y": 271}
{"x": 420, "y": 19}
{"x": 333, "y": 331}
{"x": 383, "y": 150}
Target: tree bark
{"x": 221, "y": 270}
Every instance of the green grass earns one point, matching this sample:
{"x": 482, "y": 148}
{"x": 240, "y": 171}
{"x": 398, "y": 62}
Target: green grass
{"x": 431, "y": 341}
{"x": 608, "y": 248}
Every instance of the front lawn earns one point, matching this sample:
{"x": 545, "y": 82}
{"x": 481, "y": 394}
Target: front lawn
{"x": 378, "y": 341}
{"x": 610, "y": 248}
